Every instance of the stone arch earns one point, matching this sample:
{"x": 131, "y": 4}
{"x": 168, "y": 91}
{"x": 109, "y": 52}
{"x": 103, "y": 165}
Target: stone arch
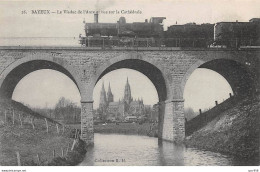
{"x": 238, "y": 75}
{"x": 140, "y": 64}
{"x": 12, "y": 74}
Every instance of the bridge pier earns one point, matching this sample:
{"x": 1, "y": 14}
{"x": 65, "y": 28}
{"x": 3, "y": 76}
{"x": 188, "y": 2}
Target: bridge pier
{"x": 168, "y": 69}
{"x": 172, "y": 121}
{"x": 87, "y": 128}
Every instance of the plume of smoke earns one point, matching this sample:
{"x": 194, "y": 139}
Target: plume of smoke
{"x": 102, "y": 5}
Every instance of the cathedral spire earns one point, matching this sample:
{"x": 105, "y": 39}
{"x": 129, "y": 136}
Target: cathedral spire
{"x": 110, "y": 96}
{"x": 103, "y": 98}
{"x": 127, "y": 93}
{"x": 109, "y": 89}
{"x": 103, "y": 87}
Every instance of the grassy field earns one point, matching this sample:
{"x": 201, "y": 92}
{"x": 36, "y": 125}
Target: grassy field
{"x": 29, "y": 142}
{"x": 236, "y": 132}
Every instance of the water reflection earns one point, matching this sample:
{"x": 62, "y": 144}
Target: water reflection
{"x": 115, "y": 149}
{"x": 171, "y": 154}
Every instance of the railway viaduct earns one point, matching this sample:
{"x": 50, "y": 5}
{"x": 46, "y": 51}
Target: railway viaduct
{"x": 167, "y": 68}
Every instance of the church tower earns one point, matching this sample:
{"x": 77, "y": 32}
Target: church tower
{"x": 127, "y": 94}
{"x": 110, "y": 96}
{"x": 103, "y": 98}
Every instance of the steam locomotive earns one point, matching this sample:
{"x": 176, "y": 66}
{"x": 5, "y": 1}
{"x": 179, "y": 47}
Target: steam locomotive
{"x": 152, "y": 34}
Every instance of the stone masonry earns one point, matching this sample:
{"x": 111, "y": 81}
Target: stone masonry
{"x": 168, "y": 69}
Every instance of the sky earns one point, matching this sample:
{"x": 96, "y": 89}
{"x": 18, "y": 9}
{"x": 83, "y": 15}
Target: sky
{"x": 45, "y": 88}
{"x": 41, "y": 95}
{"x": 15, "y": 24}
{"x": 54, "y": 26}
{"x": 201, "y": 90}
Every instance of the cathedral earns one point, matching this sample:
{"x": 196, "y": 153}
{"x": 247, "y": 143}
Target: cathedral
{"x": 123, "y": 108}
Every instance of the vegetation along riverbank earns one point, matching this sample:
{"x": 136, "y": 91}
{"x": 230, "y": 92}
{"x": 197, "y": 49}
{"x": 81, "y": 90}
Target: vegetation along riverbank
{"x": 235, "y": 132}
{"x": 145, "y": 129}
{"x": 28, "y": 138}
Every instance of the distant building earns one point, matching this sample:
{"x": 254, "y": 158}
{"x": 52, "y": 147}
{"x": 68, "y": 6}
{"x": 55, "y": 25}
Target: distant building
{"x": 154, "y": 113}
{"x": 131, "y": 118}
{"x": 124, "y": 107}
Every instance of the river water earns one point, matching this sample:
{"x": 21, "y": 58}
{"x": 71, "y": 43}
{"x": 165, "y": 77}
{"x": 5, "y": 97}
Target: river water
{"x": 116, "y": 149}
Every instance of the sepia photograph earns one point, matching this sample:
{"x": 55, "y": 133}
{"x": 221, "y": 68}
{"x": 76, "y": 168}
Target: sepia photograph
{"x": 129, "y": 83}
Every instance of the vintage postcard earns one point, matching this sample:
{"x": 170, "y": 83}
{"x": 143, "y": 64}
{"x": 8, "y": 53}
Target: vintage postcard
{"x": 129, "y": 83}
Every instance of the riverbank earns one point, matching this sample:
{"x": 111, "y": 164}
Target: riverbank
{"x": 33, "y": 143}
{"x": 235, "y": 132}
{"x": 73, "y": 157}
{"x": 145, "y": 129}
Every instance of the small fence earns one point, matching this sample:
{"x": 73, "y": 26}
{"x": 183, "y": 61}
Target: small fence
{"x": 62, "y": 153}
{"x": 107, "y": 42}
{"x": 204, "y": 117}
{"x": 19, "y": 119}
{"x": 196, "y": 42}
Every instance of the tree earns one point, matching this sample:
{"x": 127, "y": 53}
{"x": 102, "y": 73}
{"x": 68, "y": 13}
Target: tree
{"x": 67, "y": 111}
{"x": 189, "y": 113}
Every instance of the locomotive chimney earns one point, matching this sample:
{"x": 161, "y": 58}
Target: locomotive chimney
{"x": 96, "y": 18}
